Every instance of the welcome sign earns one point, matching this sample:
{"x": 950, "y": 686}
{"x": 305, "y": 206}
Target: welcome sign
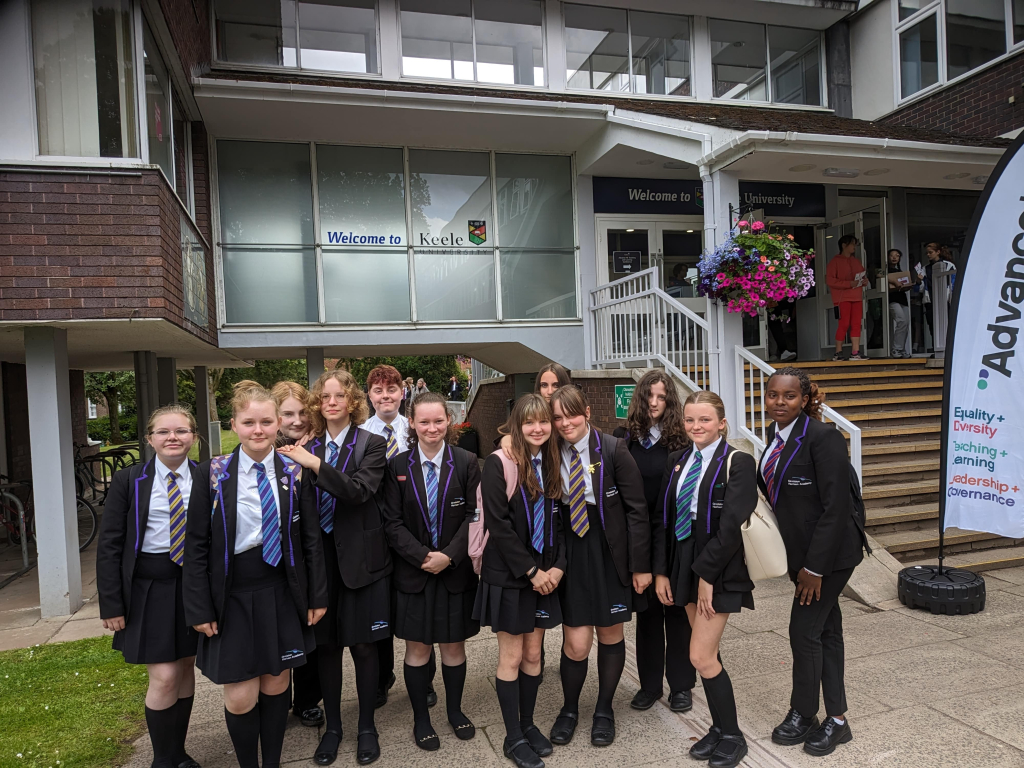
{"x": 983, "y": 408}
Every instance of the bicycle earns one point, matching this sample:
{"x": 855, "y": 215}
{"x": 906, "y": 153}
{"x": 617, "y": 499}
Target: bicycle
{"x": 87, "y": 520}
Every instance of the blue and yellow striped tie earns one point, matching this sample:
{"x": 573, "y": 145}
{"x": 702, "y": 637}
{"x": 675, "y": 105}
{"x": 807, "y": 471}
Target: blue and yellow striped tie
{"x": 577, "y": 494}
{"x": 685, "y": 498}
{"x": 271, "y": 523}
{"x": 176, "y": 505}
{"x": 389, "y": 435}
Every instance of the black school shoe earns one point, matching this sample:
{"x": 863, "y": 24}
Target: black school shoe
{"x": 382, "y": 693}
{"x": 680, "y": 701}
{"x": 705, "y": 748}
{"x": 367, "y": 748}
{"x": 538, "y": 741}
{"x": 521, "y": 753}
{"x": 311, "y": 718}
{"x": 794, "y": 729}
{"x": 730, "y": 750}
{"x": 565, "y": 727}
{"x": 188, "y": 762}
{"x": 324, "y": 754}
{"x": 431, "y": 697}
{"x": 644, "y": 699}
{"x": 602, "y": 732}
{"x": 829, "y": 736}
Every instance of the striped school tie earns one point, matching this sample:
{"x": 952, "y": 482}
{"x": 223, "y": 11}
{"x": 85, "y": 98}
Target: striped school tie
{"x": 538, "y": 511}
{"x": 577, "y": 494}
{"x": 271, "y": 523}
{"x": 326, "y": 500}
{"x": 389, "y": 435}
{"x": 684, "y": 498}
{"x": 647, "y": 442}
{"x": 432, "y": 500}
{"x": 177, "y": 507}
{"x": 773, "y": 460}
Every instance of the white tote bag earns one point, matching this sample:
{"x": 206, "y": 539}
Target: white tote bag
{"x": 763, "y": 548}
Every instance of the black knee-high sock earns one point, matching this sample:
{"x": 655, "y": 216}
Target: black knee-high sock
{"x": 719, "y": 688}
{"x": 432, "y": 666}
{"x": 509, "y": 699}
{"x": 273, "y": 719}
{"x": 163, "y": 732}
{"x": 574, "y": 674}
{"x": 611, "y": 659}
{"x": 364, "y": 656}
{"x": 329, "y": 660}
{"x": 245, "y": 736}
{"x": 712, "y": 705}
{"x": 417, "y": 681}
{"x": 528, "y": 687}
{"x": 385, "y": 661}
{"x": 454, "y": 682}
{"x": 184, "y": 707}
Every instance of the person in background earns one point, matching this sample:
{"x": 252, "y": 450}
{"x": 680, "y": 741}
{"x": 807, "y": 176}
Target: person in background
{"x": 847, "y": 295}
{"x": 777, "y": 327}
{"x": 899, "y": 305}
{"x": 453, "y": 388}
{"x": 407, "y": 387}
{"x": 421, "y": 388}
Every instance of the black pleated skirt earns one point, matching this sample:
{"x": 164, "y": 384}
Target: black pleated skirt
{"x": 435, "y": 615}
{"x": 685, "y": 582}
{"x": 516, "y": 611}
{"x": 155, "y": 631}
{"x": 590, "y": 592}
{"x": 261, "y": 632}
{"x": 353, "y": 616}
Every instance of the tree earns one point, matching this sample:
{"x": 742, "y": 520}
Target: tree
{"x": 264, "y": 372}
{"x": 114, "y": 387}
{"x": 435, "y": 370}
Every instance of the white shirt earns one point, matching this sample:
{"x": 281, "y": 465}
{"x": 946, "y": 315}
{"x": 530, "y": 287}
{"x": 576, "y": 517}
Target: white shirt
{"x": 158, "y": 525}
{"x": 249, "y": 509}
{"x": 654, "y": 433}
{"x": 583, "y": 448}
{"x": 338, "y": 441}
{"x": 705, "y": 462}
{"x": 436, "y": 461}
{"x": 400, "y": 425}
{"x": 784, "y": 433}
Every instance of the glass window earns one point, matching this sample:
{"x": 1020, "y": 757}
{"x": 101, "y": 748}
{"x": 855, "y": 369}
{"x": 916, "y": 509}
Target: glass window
{"x": 256, "y": 31}
{"x": 919, "y": 57}
{"x": 366, "y": 286}
{"x": 84, "y": 77}
{"x": 455, "y": 284}
{"x": 339, "y": 35}
{"x": 739, "y": 57}
{"x": 509, "y": 42}
{"x": 180, "y": 128}
{"x": 661, "y": 53}
{"x": 909, "y": 7}
{"x": 1018, "y": 21}
{"x": 362, "y": 195}
{"x": 158, "y": 105}
{"x": 596, "y": 48}
{"x": 538, "y": 284}
{"x": 270, "y": 285}
{"x": 451, "y": 198}
{"x": 975, "y": 34}
{"x": 437, "y": 39}
{"x": 534, "y": 201}
{"x": 795, "y": 64}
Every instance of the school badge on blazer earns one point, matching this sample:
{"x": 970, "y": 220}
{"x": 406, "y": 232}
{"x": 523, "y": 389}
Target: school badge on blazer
{"x": 477, "y": 232}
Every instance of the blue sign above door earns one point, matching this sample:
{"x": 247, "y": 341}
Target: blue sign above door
{"x": 668, "y": 196}
{"x": 783, "y": 200}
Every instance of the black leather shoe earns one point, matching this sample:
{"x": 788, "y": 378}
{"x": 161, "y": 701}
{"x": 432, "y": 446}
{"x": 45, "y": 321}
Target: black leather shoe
{"x": 705, "y": 748}
{"x": 382, "y": 693}
{"x": 538, "y": 741}
{"x": 730, "y": 750}
{"x": 464, "y": 731}
{"x": 521, "y": 753}
{"x": 644, "y": 699}
{"x": 327, "y": 751}
{"x": 680, "y": 701}
{"x": 367, "y": 747}
{"x": 829, "y": 736}
{"x": 564, "y": 728}
{"x": 794, "y": 729}
{"x": 431, "y": 697}
{"x": 602, "y": 732}
{"x": 188, "y": 762}
{"x": 311, "y": 718}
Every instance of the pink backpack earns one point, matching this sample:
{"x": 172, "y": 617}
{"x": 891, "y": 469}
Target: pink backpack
{"x": 477, "y": 531}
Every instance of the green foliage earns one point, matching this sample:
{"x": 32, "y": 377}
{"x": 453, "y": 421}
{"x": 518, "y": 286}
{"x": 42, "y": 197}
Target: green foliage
{"x": 265, "y": 372}
{"x": 115, "y": 388}
{"x": 435, "y": 370}
{"x": 99, "y": 429}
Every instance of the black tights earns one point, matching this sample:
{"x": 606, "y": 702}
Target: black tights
{"x": 364, "y": 656}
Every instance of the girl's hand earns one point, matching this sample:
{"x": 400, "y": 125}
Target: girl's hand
{"x": 705, "y": 593}
{"x": 808, "y": 587}
{"x": 542, "y": 582}
{"x": 304, "y": 439}
{"x": 506, "y": 446}
{"x": 115, "y": 624}
{"x": 313, "y": 615}
{"x": 301, "y": 456}
{"x": 209, "y": 629}
{"x": 556, "y": 575}
{"x": 641, "y": 581}
{"x": 663, "y": 589}
{"x": 435, "y": 562}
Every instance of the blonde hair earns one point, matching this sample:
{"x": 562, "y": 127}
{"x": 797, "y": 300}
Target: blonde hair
{"x": 174, "y": 409}
{"x": 285, "y": 389}
{"x": 703, "y": 396}
{"x": 357, "y": 408}
{"x": 247, "y": 392}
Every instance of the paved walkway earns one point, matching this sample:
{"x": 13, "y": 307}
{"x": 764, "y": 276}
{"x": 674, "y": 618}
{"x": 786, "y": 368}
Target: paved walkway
{"x": 923, "y": 691}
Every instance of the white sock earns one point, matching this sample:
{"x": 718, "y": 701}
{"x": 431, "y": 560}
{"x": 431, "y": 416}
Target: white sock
{"x": 839, "y": 720}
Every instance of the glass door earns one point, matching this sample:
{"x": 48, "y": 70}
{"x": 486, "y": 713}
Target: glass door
{"x": 628, "y": 247}
{"x": 680, "y": 247}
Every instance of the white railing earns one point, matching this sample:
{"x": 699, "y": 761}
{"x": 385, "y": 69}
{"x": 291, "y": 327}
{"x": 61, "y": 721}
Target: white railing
{"x": 940, "y": 293}
{"x": 752, "y": 374}
{"x": 634, "y": 321}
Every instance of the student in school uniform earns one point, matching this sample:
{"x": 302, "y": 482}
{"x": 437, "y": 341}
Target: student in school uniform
{"x": 805, "y": 475}
{"x": 523, "y": 562}
{"x": 549, "y": 378}
{"x": 430, "y": 494}
{"x": 139, "y": 559}
{"x": 709, "y": 491}
{"x": 254, "y": 581}
{"x": 291, "y": 400}
{"x": 346, "y": 467}
{"x": 608, "y": 559}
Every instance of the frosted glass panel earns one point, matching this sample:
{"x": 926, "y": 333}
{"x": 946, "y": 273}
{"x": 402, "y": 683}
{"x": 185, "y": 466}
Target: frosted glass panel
{"x": 534, "y": 201}
{"x": 366, "y": 286}
{"x": 536, "y": 285}
{"x": 451, "y": 199}
{"x": 265, "y": 193}
{"x": 266, "y": 286}
{"x": 362, "y": 195}
{"x": 455, "y": 285}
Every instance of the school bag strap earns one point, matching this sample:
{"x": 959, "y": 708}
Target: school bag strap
{"x": 478, "y": 535}
{"x": 362, "y": 438}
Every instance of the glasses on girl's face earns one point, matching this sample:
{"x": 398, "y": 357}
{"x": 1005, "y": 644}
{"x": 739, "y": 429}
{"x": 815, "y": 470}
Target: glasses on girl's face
{"x": 163, "y": 434}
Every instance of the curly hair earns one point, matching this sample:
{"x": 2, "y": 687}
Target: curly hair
{"x": 815, "y": 399}
{"x": 385, "y": 375}
{"x": 638, "y": 420}
{"x": 451, "y": 436}
{"x": 534, "y": 407}
{"x": 357, "y": 408}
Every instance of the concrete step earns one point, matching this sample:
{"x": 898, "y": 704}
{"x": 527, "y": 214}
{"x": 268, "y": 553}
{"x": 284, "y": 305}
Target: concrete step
{"x": 871, "y": 449}
{"x": 892, "y": 376}
{"x": 892, "y": 516}
{"x": 918, "y": 544}
{"x": 878, "y": 435}
{"x": 874, "y": 363}
{"x": 895, "y": 490}
{"x": 868, "y": 402}
{"x": 915, "y": 414}
{"x": 878, "y": 387}
{"x": 985, "y": 560}
{"x": 884, "y": 469}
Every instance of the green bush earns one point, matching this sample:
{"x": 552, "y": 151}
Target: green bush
{"x": 99, "y": 429}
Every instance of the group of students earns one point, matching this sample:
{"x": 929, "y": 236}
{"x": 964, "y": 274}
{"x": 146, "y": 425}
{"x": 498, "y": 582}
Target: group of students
{"x": 325, "y": 530}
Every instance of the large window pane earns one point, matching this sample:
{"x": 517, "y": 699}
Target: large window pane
{"x": 437, "y": 39}
{"x": 456, "y": 284}
{"x": 534, "y": 201}
{"x": 362, "y": 195}
{"x": 265, "y": 192}
{"x": 509, "y": 42}
{"x": 158, "y": 105}
{"x": 661, "y": 53}
{"x": 975, "y": 34}
{"x": 451, "y": 198}
{"x": 180, "y": 128}
{"x": 1018, "y": 21}
{"x": 339, "y": 35}
{"x": 738, "y": 59}
{"x": 909, "y": 7}
{"x": 256, "y": 31}
{"x": 537, "y": 285}
{"x": 366, "y": 286}
{"x": 795, "y": 65}
{"x": 85, "y": 83}
{"x": 270, "y": 286}
{"x": 596, "y": 48}
{"x": 919, "y": 57}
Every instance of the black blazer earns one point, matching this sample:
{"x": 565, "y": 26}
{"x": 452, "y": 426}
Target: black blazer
{"x": 509, "y": 554}
{"x": 405, "y": 515}
{"x": 724, "y": 503}
{"x": 359, "y": 537}
{"x": 622, "y": 507}
{"x": 210, "y": 543}
{"x": 812, "y": 499}
{"x": 122, "y": 532}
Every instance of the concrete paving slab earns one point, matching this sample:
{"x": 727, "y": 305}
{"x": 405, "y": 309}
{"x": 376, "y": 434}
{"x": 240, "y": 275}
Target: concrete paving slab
{"x": 1013, "y": 575}
{"x": 873, "y": 633}
{"x": 756, "y": 655}
{"x": 997, "y": 713}
{"x": 1002, "y": 609}
{"x": 77, "y": 630}
{"x": 90, "y": 611}
{"x": 769, "y": 613}
{"x": 1006, "y": 646}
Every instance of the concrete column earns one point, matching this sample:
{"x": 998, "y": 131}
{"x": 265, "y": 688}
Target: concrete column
{"x": 203, "y": 410}
{"x": 147, "y": 396}
{"x": 166, "y": 380}
{"x": 726, "y": 327}
{"x": 555, "y": 43}
{"x": 53, "y": 478}
{"x": 314, "y": 364}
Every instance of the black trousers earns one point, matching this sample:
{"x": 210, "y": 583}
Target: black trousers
{"x": 777, "y": 328}
{"x": 306, "y": 685}
{"x": 653, "y": 627}
{"x": 816, "y": 637}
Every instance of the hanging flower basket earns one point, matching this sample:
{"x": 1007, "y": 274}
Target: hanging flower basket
{"x": 755, "y": 269}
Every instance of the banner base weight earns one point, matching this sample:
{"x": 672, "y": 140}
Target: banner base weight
{"x": 941, "y": 590}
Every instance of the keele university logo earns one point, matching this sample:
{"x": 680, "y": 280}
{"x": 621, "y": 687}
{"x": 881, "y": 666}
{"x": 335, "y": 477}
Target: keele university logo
{"x": 477, "y": 232}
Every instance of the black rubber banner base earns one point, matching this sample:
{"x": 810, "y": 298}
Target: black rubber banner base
{"x": 942, "y": 590}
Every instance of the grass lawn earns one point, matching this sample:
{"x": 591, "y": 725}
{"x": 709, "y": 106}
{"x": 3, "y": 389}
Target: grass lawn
{"x": 72, "y": 705}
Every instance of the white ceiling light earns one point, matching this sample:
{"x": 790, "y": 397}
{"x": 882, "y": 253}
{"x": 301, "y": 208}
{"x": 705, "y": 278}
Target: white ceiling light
{"x": 841, "y": 173}
{"x": 629, "y": 230}
{"x": 954, "y": 176}
{"x": 645, "y": 162}
{"x": 689, "y": 231}
{"x": 802, "y": 168}
{"x": 876, "y": 172}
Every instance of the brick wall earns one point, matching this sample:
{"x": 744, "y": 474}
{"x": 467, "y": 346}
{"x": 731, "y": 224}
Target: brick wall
{"x": 601, "y": 395}
{"x": 189, "y": 24}
{"x": 489, "y": 411}
{"x": 975, "y": 106}
{"x": 201, "y": 186}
